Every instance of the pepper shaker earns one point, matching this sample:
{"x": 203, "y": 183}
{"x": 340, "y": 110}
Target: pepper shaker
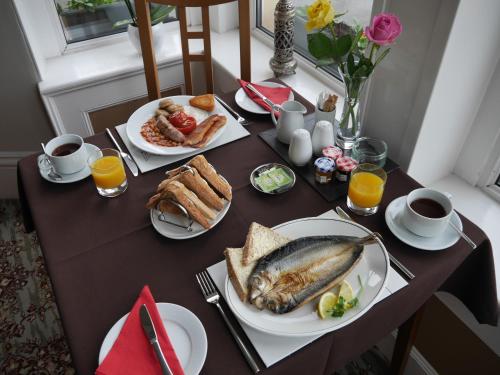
{"x": 300, "y": 150}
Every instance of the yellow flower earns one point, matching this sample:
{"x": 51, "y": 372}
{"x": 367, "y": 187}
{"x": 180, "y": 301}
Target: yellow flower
{"x": 319, "y": 14}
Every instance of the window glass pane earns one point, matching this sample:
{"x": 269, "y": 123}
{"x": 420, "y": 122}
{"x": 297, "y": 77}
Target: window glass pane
{"x": 358, "y": 13}
{"x": 86, "y": 19}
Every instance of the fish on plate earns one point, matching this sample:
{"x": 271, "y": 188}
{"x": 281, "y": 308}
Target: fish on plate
{"x": 299, "y": 271}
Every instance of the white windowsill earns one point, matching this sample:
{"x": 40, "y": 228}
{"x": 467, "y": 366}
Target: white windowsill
{"x": 110, "y": 62}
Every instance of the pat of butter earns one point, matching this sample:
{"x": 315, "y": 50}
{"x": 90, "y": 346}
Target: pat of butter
{"x": 273, "y": 179}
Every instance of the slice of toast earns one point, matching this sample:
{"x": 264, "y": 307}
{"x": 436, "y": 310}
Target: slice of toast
{"x": 205, "y": 102}
{"x": 208, "y": 172}
{"x": 261, "y": 241}
{"x": 238, "y": 274}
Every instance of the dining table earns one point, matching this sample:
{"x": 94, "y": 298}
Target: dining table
{"x": 101, "y": 252}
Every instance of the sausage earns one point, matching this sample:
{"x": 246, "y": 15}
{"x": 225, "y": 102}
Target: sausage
{"x": 168, "y": 130}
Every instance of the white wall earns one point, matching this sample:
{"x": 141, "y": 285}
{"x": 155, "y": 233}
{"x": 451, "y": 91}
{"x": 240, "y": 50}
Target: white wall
{"x": 471, "y": 54}
{"x": 483, "y": 136}
{"x": 401, "y": 85}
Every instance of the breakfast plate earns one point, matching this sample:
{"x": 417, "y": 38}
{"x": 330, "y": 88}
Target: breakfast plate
{"x": 185, "y": 331}
{"x": 147, "y": 111}
{"x": 249, "y": 105}
{"x": 178, "y": 232}
{"x": 448, "y": 238}
{"x": 69, "y": 178}
{"x": 372, "y": 269}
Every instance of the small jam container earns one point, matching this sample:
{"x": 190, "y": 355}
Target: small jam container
{"x": 332, "y": 152}
{"x": 345, "y": 165}
{"x": 324, "y": 170}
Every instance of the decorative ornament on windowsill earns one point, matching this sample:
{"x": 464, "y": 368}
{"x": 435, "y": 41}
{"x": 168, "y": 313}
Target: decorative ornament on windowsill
{"x": 283, "y": 63}
{"x": 158, "y": 14}
{"x": 355, "y": 52}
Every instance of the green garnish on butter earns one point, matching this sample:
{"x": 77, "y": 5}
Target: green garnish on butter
{"x": 273, "y": 179}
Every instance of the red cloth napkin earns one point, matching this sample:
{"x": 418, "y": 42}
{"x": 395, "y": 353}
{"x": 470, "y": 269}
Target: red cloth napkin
{"x": 277, "y": 95}
{"x": 132, "y": 353}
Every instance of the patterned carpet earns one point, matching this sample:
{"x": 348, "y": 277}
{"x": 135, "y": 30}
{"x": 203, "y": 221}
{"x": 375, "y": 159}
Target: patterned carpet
{"x": 31, "y": 337}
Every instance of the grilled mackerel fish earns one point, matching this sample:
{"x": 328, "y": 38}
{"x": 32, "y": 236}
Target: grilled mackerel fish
{"x": 297, "y": 272}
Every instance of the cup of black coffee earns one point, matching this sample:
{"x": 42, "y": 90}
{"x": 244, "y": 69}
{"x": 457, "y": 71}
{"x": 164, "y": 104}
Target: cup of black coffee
{"x": 427, "y": 212}
{"x": 67, "y": 153}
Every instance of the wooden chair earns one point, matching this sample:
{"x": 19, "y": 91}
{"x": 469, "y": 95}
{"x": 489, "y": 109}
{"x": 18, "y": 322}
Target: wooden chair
{"x": 150, "y": 68}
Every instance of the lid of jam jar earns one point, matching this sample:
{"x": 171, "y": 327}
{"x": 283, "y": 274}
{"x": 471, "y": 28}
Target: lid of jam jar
{"x": 324, "y": 165}
{"x": 332, "y": 152}
{"x": 346, "y": 164}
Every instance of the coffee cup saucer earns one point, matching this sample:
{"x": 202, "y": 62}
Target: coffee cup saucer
{"x": 69, "y": 178}
{"x": 446, "y": 239}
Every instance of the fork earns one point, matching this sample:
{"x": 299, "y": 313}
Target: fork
{"x": 242, "y": 121}
{"x": 212, "y": 296}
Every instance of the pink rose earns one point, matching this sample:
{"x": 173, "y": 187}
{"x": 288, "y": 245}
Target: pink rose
{"x": 385, "y": 28}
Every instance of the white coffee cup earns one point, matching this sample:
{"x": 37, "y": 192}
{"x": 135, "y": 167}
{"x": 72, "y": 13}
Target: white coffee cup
{"x": 422, "y": 225}
{"x": 71, "y": 163}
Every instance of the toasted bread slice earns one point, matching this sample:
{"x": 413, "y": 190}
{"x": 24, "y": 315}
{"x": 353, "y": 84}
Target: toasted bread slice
{"x": 205, "y": 102}
{"x": 208, "y": 172}
{"x": 193, "y": 181}
{"x": 196, "y": 208}
{"x": 238, "y": 274}
{"x": 168, "y": 207}
{"x": 260, "y": 241}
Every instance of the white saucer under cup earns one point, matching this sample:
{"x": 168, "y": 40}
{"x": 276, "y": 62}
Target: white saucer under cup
{"x": 445, "y": 240}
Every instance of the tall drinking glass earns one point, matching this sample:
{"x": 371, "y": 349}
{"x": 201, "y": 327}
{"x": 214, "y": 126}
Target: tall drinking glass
{"x": 107, "y": 169}
{"x": 366, "y": 188}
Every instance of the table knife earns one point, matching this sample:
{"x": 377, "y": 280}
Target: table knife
{"x": 394, "y": 261}
{"x": 126, "y": 157}
{"x": 266, "y": 100}
{"x": 149, "y": 330}
{"x": 235, "y": 114}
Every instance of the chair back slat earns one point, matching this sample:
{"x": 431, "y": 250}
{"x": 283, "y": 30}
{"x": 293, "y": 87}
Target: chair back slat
{"x": 150, "y": 68}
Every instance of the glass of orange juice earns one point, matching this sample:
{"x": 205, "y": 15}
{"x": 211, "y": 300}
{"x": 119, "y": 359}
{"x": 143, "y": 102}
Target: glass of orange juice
{"x": 366, "y": 188}
{"x": 107, "y": 169}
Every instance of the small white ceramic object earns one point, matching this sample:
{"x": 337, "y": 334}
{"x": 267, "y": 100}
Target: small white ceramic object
{"x": 422, "y": 225}
{"x": 300, "y": 150}
{"x": 71, "y": 163}
{"x": 322, "y": 136}
{"x": 158, "y": 37}
{"x": 291, "y": 118}
{"x": 393, "y": 219}
{"x": 324, "y": 116}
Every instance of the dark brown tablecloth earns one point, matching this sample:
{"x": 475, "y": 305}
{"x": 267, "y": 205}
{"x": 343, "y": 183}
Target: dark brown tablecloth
{"x": 100, "y": 253}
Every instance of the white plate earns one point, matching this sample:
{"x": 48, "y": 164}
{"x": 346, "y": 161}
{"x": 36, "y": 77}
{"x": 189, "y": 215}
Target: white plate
{"x": 185, "y": 331}
{"x": 178, "y": 233}
{"x": 304, "y": 321}
{"x": 73, "y": 177}
{"x": 448, "y": 238}
{"x": 249, "y": 105}
{"x": 144, "y": 113}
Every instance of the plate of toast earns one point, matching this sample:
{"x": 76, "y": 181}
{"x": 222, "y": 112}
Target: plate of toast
{"x": 275, "y": 281}
{"x": 177, "y": 124}
{"x": 191, "y": 200}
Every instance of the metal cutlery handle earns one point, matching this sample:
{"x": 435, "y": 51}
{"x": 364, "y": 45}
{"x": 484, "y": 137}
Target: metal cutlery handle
{"x": 239, "y": 341}
{"x": 266, "y": 100}
{"x": 463, "y": 235}
{"x": 163, "y": 362}
{"x": 230, "y": 110}
{"x": 114, "y": 140}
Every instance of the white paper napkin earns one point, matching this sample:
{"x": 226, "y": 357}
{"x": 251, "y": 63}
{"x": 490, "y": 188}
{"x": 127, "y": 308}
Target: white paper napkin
{"x": 273, "y": 348}
{"x": 147, "y": 162}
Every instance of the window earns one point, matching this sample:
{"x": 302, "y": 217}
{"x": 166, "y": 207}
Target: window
{"x": 87, "y": 19}
{"x": 358, "y": 13}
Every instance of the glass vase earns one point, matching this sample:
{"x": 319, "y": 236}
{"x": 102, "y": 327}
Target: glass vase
{"x": 349, "y": 127}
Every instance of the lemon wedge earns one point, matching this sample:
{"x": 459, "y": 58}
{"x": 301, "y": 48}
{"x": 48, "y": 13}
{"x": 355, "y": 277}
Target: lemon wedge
{"x": 346, "y": 291}
{"x": 326, "y": 304}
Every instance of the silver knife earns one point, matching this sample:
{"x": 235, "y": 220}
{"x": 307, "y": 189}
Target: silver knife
{"x": 235, "y": 114}
{"x": 394, "y": 261}
{"x": 126, "y": 157}
{"x": 149, "y": 330}
{"x": 266, "y": 100}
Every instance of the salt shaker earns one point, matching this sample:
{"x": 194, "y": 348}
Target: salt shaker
{"x": 300, "y": 151}
{"x": 322, "y": 136}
